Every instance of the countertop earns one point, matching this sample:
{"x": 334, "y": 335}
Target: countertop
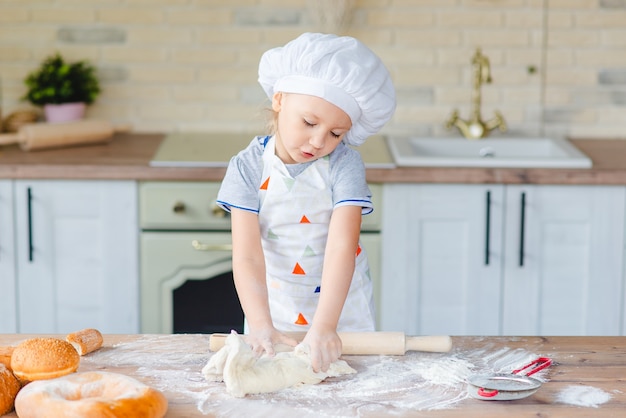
{"x": 128, "y": 156}
{"x": 585, "y": 380}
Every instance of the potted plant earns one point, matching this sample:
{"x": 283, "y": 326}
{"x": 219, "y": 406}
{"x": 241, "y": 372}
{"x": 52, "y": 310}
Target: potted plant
{"x": 63, "y": 89}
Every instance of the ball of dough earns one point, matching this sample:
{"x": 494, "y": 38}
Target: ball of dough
{"x": 44, "y": 358}
{"x": 243, "y": 372}
{"x": 90, "y": 394}
{"x": 9, "y": 386}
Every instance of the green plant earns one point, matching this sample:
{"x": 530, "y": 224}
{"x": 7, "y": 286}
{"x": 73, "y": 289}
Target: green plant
{"x": 57, "y": 82}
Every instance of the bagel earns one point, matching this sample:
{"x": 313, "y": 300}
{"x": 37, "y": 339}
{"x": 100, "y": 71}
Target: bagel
{"x": 90, "y": 394}
{"x": 43, "y": 358}
{"x": 9, "y": 386}
{"x": 85, "y": 341}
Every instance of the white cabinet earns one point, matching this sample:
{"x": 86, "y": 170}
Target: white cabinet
{"x": 563, "y": 275}
{"x": 436, "y": 278}
{"x": 495, "y": 259}
{"x": 76, "y": 256}
{"x": 8, "y": 306}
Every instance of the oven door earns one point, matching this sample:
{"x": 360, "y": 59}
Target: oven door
{"x": 179, "y": 279}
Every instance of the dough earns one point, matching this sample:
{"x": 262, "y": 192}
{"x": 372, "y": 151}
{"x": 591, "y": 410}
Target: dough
{"x": 243, "y": 373}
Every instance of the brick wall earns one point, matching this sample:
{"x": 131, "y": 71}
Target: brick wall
{"x": 558, "y": 66}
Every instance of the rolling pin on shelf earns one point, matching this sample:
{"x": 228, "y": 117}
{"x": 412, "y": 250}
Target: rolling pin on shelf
{"x": 36, "y": 136}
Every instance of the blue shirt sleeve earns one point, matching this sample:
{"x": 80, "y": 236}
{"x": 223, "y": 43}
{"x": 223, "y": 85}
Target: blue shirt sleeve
{"x": 239, "y": 188}
{"x": 348, "y": 180}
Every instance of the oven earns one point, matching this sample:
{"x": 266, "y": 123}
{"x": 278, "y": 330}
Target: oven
{"x": 186, "y": 262}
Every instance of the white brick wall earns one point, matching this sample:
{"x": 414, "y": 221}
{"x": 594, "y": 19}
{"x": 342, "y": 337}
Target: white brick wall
{"x": 192, "y": 64}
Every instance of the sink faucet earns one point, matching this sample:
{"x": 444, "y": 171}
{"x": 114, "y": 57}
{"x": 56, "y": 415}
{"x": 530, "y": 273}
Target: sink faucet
{"x": 475, "y": 128}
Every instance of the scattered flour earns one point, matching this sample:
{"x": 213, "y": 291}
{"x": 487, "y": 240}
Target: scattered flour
{"x": 171, "y": 364}
{"x": 583, "y": 396}
{"x": 383, "y": 384}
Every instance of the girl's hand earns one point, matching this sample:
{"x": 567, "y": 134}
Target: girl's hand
{"x": 263, "y": 340}
{"x": 325, "y": 347}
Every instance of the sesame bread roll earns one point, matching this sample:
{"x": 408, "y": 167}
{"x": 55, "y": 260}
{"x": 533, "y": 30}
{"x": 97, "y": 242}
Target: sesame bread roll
{"x": 43, "y": 358}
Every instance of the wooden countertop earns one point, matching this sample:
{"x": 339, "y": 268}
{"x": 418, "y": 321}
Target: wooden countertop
{"x": 607, "y": 155}
{"x": 125, "y": 157}
{"x": 128, "y": 156}
{"x": 173, "y": 363}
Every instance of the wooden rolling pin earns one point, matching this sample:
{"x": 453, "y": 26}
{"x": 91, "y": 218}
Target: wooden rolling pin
{"x": 36, "y": 136}
{"x": 363, "y": 343}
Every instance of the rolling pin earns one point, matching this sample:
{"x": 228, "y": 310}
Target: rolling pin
{"x": 364, "y": 343}
{"x": 36, "y": 136}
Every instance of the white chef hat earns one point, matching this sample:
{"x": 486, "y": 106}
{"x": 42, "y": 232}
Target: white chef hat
{"x": 340, "y": 70}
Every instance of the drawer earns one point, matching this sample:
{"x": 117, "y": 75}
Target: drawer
{"x": 181, "y": 205}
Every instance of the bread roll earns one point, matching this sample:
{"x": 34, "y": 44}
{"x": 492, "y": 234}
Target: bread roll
{"x": 85, "y": 341}
{"x": 5, "y": 356}
{"x": 43, "y": 358}
{"x": 9, "y": 386}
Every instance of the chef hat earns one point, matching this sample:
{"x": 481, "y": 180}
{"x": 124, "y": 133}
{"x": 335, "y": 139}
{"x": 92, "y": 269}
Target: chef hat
{"x": 340, "y": 70}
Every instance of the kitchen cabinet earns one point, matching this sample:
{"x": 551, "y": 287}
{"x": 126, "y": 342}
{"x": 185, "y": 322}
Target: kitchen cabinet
{"x": 436, "y": 275}
{"x": 496, "y": 259}
{"x": 8, "y": 318}
{"x": 76, "y": 256}
{"x": 564, "y": 270}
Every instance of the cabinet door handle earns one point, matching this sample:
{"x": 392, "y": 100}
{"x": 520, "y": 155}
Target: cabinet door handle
{"x": 522, "y": 228}
{"x": 197, "y": 245}
{"x": 179, "y": 207}
{"x": 29, "y": 201}
{"x": 487, "y": 227}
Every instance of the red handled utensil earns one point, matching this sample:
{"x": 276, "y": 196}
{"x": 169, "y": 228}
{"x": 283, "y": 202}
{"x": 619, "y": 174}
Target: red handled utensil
{"x": 508, "y": 386}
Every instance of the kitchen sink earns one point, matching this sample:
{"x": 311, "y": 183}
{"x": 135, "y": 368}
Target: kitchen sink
{"x": 490, "y": 152}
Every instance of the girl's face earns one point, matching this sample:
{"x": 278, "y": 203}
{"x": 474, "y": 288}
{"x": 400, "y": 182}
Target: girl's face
{"x": 308, "y": 127}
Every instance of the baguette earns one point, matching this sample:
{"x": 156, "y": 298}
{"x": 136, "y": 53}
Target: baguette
{"x": 85, "y": 341}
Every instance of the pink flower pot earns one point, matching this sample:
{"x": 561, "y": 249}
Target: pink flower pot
{"x": 65, "y": 112}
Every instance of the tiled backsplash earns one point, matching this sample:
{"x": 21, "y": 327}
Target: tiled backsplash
{"x": 558, "y": 66}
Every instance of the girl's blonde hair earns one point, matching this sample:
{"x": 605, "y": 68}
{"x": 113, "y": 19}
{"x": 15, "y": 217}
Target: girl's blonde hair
{"x": 271, "y": 124}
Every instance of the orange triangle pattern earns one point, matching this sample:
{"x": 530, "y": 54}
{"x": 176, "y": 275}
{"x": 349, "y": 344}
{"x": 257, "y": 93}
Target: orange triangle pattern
{"x": 265, "y": 184}
{"x": 301, "y": 320}
{"x": 304, "y": 220}
{"x": 297, "y": 269}
{"x": 358, "y": 250}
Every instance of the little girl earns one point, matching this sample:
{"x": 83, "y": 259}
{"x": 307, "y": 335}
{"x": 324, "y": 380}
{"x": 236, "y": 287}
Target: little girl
{"x": 296, "y": 196}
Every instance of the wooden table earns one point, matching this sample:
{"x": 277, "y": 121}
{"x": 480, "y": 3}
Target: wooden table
{"x": 173, "y": 364}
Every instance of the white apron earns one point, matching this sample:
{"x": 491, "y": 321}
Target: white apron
{"x": 294, "y": 216}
